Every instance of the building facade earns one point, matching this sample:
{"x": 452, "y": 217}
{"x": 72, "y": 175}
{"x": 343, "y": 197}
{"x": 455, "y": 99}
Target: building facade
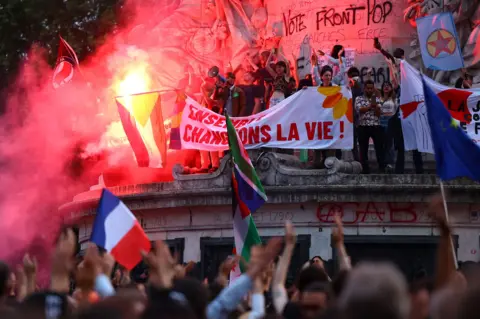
{"x": 385, "y": 216}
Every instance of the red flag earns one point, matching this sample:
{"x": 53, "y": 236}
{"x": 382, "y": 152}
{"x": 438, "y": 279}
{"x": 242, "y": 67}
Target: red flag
{"x": 67, "y": 62}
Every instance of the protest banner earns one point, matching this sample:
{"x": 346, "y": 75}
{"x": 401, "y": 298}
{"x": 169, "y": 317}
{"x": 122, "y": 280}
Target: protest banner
{"x": 463, "y": 105}
{"x": 313, "y": 118}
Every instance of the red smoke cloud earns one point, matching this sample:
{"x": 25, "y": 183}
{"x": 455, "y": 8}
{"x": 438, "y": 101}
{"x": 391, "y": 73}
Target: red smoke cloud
{"x": 44, "y": 129}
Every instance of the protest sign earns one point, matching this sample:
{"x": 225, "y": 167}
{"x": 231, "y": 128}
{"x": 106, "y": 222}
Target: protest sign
{"x": 463, "y": 105}
{"x": 313, "y": 118}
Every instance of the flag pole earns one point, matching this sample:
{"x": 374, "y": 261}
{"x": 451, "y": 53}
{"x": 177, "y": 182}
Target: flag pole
{"x": 445, "y": 208}
{"x": 154, "y": 91}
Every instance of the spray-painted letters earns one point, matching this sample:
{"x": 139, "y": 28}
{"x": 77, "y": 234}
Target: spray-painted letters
{"x": 356, "y": 213}
{"x": 376, "y": 13}
{"x": 294, "y": 23}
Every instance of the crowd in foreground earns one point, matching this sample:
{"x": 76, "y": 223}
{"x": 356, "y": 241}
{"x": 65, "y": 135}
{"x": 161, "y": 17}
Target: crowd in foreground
{"x": 364, "y": 291}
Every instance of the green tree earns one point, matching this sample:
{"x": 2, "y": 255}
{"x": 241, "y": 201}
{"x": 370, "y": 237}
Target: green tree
{"x": 83, "y": 23}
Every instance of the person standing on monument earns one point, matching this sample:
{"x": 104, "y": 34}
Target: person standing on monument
{"x": 393, "y": 62}
{"x": 368, "y": 107}
{"x": 281, "y": 81}
{"x": 320, "y": 156}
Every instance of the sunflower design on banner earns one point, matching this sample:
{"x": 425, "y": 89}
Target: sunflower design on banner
{"x": 335, "y": 99}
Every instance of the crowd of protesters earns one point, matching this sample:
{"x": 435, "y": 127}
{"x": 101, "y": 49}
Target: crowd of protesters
{"x": 365, "y": 290}
{"x": 268, "y": 78}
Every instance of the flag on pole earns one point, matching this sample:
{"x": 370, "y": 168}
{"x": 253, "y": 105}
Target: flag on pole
{"x": 247, "y": 196}
{"x": 117, "y": 230}
{"x": 439, "y": 43}
{"x": 456, "y": 154}
{"x": 176, "y": 119}
{"x": 142, "y": 120}
{"x": 460, "y": 103}
{"x": 65, "y": 66}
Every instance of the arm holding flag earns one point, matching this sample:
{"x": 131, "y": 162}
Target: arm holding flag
{"x": 247, "y": 196}
{"x": 118, "y": 231}
{"x": 445, "y": 267}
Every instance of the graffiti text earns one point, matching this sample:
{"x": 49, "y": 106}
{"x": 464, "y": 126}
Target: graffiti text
{"x": 371, "y": 212}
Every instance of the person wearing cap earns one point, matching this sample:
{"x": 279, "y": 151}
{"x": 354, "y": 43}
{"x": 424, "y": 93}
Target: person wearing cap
{"x": 232, "y": 97}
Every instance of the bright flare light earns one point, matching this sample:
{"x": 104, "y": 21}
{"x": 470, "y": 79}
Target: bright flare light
{"x": 135, "y": 81}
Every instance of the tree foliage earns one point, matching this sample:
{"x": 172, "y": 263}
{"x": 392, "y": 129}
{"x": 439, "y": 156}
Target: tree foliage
{"x": 83, "y": 23}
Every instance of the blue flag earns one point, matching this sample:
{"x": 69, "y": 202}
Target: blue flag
{"x": 439, "y": 43}
{"x": 455, "y": 153}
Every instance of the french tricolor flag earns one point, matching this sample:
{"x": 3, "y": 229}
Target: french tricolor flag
{"x": 118, "y": 231}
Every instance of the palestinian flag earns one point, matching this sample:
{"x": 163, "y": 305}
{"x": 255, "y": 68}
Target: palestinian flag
{"x": 142, "y": 120}
{"x": 65, "y": 66}
{"x": 247, "y": 196}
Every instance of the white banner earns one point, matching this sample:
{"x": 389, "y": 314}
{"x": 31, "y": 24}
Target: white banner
{"x": 314, "y": 118}
{"x": 463, "y": 105}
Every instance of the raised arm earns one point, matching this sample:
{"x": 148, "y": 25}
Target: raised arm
{"x": 280, "y": 54}
{"x": 63, "y": 262}
{"x": 446, "y": 263}
{"x": 268, "y": 67}
{"x": 337, "y": 237}
{"x": 333, "y": 60}
{"x": 386, "y": 54}
{"x": 21, "y": 284}
{"x": 330, "y": 58}
{"x": 30, "y": 269}
{"x": 279, "y": 292}
{"x": 315, "y": 71}
{"x": 393, "y": 74}
{"x": 341, "y": 78}
{"x": 258, "y": 300}
{"x": 249, "y": 60}
{"x": 231, "y": 296}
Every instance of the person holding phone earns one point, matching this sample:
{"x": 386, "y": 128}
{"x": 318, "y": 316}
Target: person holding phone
{"x": 368, "y": 107}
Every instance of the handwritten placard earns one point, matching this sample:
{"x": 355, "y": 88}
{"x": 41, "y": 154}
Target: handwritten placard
{"x": 351, "y": 23}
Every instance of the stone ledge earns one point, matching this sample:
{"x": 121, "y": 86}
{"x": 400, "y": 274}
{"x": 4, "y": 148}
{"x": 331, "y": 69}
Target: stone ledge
{"x": 285, "y": 194}
{"x": 285, "y": 181}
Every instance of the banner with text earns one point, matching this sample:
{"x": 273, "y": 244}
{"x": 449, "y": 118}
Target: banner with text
{"x": 314, "y": 118}
{"x": 463, "y": 105}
